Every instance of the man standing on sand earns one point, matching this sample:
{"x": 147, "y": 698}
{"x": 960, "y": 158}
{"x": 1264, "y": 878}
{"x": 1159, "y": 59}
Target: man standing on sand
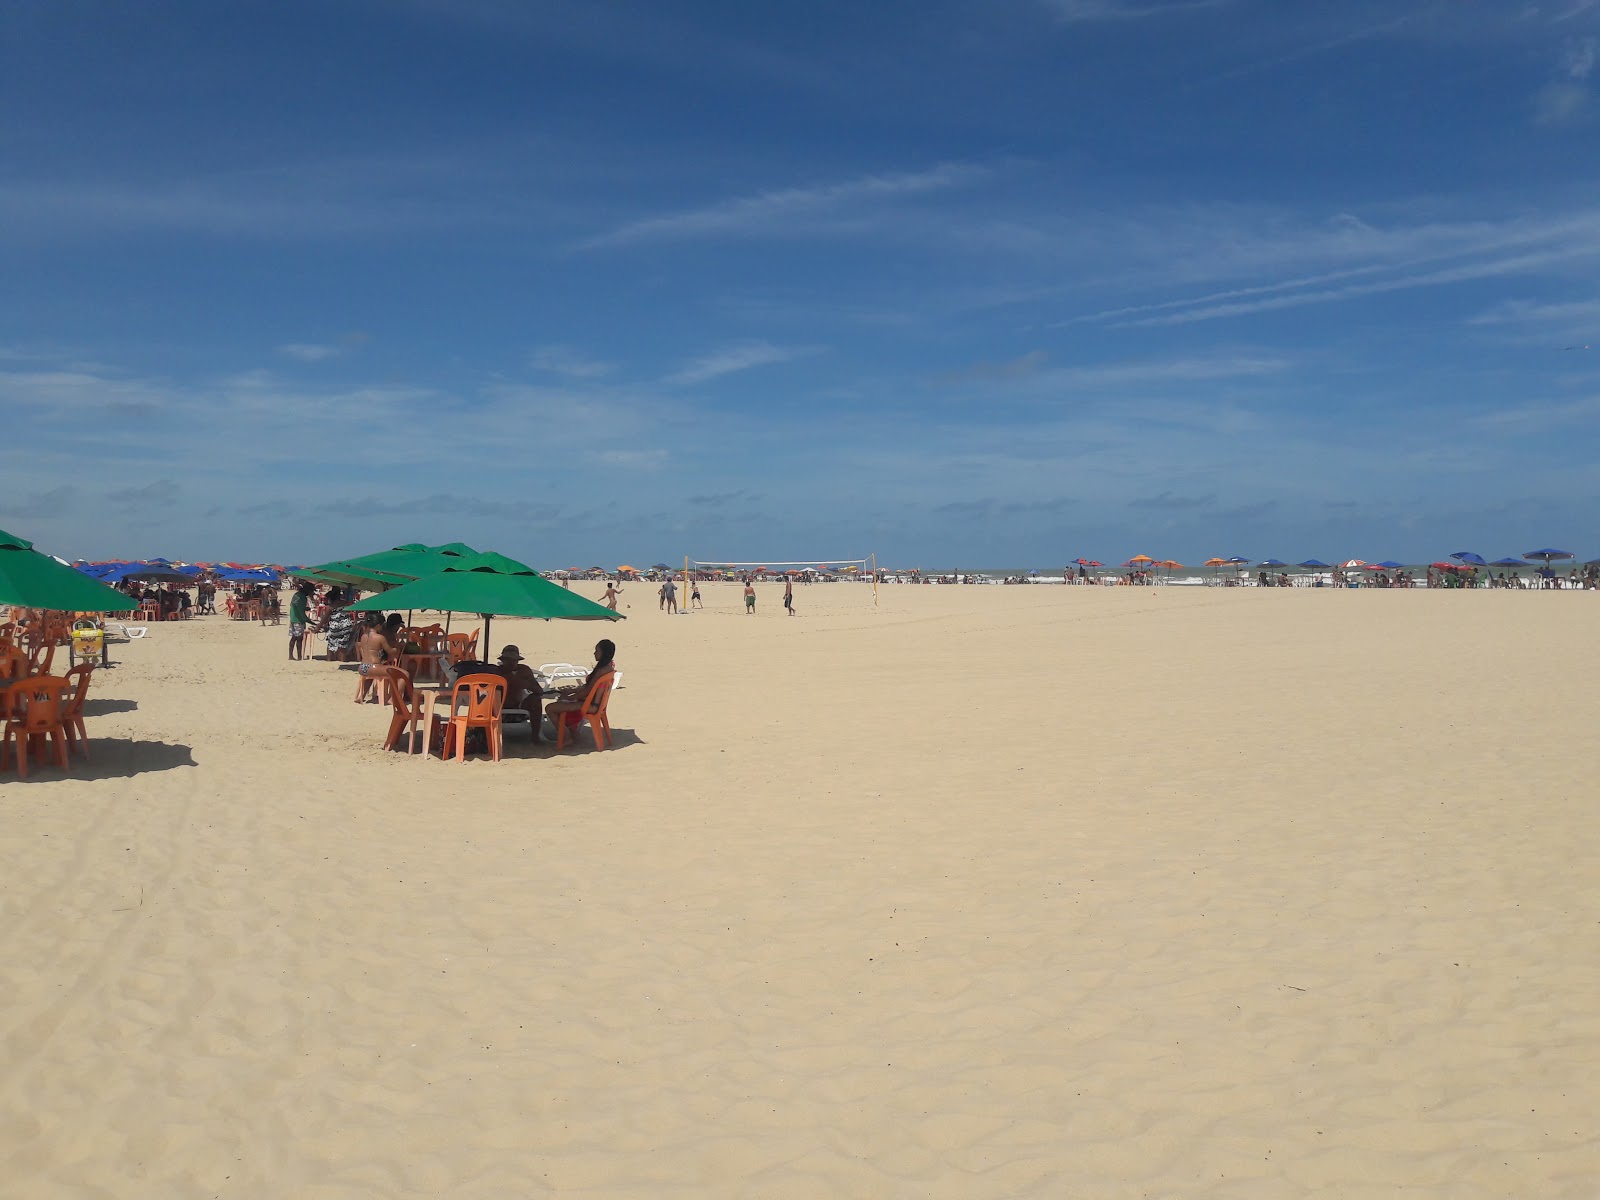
{"x": 669, "y": 595}
{"x": 298, "y": 603}
{"x": 788, "y": 595}
{"x": 749, "y": 597}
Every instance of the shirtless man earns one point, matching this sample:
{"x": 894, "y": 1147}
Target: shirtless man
{"x": 523, "y": 687}
{"x": 375, "y": 651}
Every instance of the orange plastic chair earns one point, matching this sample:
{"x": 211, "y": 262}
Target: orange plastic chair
{"x": 14, "y": 663}
{"x": 78, "y": 685}
{"x": 592, "y": 709}
{"x": 460, "y": 647}
{"x": 484, "y": 697}
{"x": 37, "y": 713}
{"x": 44, "y": 654}
{"x": 407, "y": 707}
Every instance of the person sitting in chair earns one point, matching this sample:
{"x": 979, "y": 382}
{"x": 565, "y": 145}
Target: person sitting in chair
{"x": 524, "y": 689}
{"x": 570, "y": 699}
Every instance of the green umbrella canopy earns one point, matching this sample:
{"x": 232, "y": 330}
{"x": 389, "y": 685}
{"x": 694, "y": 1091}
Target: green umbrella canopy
{"x": 391, "y": 568}
{"x": 29, "y": 579}
{"x": 495, "y": 586}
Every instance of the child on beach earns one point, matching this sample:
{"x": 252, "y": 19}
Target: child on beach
{"x": 749, "y": 597}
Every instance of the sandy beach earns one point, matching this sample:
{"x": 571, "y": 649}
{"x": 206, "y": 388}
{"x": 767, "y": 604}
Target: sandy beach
{"x": 985, "y": 892}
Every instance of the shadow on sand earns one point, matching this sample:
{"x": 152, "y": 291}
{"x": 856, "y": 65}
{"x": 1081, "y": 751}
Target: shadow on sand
{"x": 517, "y": 744}
{"x": 99, "y": 708}
{"x": 114, "y": 758}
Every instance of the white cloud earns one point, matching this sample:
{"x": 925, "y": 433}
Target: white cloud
{"x": 1540, "y": 416}
{"x": 633, "y": 458}
{"x": 1084, "y": 11}
{"x": 731, "y": 359}
{"x": 309, "y": 351}
{"x": 1529, "y": 312}
{"x": 778, "y": 212}
{"x": 1368, "y": 260}
{"x": 564, "y": 360}
{"x": 1578, "y": 57}
{"x": 1560, "y": 103}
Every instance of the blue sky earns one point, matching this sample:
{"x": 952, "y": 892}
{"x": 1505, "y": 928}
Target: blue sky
{"x": 962, "y": 282}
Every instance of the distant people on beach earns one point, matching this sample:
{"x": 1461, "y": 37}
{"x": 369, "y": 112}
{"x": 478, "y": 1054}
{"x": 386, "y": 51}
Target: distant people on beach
{"x": 788, "y": 596}
{"x": 749, "y": 596}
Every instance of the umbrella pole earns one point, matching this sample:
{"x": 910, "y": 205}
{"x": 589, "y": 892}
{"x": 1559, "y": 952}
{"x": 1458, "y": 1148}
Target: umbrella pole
{"x": 486, "y": 619}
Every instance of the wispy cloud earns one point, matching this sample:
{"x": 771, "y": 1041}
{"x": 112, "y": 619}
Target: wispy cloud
{"x": 1567, "y": 98}
{"x": 732, "y": 359}
{"x": 564, "y": 360}
{"x": 1539, "y": 416}
{"x": 1084, "y": 11}
{"x": 1583, "y": 315}
{"x": 160, "y": 493}
{"x": 310, "y": 351}
{"x": 1380, "y": 260}
{"x": 788, "y": 210}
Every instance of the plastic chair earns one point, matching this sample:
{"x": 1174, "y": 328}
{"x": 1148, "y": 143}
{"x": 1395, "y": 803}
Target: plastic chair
{"x": 13, "y": 663}
{"x": 593, "y": 709}
{"x": 37, "y": 713}
{"x": 44, "y": 654}
{"x": 78, "y": 682}
{"x": 484, "y": 697}
{"x": 407, "y": 709}
{"x": 459, "y": 646}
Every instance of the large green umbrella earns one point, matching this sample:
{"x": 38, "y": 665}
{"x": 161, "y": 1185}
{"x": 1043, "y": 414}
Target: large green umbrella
{"x": 391, "y": 568}
{"x": 29, "y": 579}
{"x": 491, "y": 585}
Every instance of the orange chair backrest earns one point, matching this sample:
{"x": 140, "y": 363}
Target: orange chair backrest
{"x": 13, "y": 663}
{"x": 38, "y": 704}
{"x": 462, "y": 645}
{"x": 401, "y": 694}
{"x": 485, "y": 696}
{"x": 599, "y": 695}
{"x": 78, "y": 680}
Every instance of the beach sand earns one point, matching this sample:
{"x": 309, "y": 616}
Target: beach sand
{"x": 988, "y": 892}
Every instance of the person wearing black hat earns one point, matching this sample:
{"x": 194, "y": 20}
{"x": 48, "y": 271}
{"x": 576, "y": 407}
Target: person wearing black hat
{"x": 524, "y": 689}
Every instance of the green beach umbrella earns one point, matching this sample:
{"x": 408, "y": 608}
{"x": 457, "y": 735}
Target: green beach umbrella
{"x": 490, "y": 585}
{"x": 391, "y": 568}
{"x": 29, "y": 579}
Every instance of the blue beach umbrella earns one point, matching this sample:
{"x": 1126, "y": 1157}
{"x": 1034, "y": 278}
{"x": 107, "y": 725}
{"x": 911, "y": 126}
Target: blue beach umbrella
{"x": 1508, "y": 562}
{"x": 1389, "y": 565}
{"x": 1547, "y": 556}
{"x": 1467, "y": 556}
{"x": 1315, "y": 564}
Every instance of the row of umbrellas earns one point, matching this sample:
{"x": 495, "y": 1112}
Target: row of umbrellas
{"x": 161, "y": 571}
{"x": 456, "y": 578}
{"x": 1463, "y": 558}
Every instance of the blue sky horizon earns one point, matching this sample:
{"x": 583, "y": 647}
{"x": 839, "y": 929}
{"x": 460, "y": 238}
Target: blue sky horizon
{"x": 955, "y": 282}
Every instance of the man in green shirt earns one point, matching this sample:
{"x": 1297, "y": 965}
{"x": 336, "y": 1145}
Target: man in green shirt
{"x": 297, "y": 621}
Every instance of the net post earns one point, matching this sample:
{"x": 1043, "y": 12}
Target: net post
{"x": 874, "y": 580}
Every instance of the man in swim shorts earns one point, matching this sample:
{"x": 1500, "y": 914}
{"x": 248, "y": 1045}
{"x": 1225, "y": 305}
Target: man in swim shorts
{"x": 749, "y": 597}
